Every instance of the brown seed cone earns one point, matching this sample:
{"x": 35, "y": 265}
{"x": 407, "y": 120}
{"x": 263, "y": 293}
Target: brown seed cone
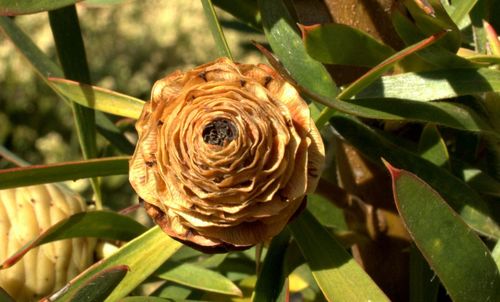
{"x": 226, "y": 154}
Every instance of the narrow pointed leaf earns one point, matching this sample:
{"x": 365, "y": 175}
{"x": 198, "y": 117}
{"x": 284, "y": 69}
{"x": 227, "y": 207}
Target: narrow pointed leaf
{"x": 492, "y": 38}
{"x": 461, "y": 8}
{"x": 338, "y": 275}
{"x": 272, "y": 279}
{"x": 45, "y": 68}
{"x": 99, "y": 224}
{"x": 244, "y": 10}
{"x": 424, "y": 285}
{"x": 283, "y": 36}
{"x": 155, "y": 299}
{"x": 22, "y": 7}
{"x": 195, "y": 276}
{"x": 435, "y": 54}
{"x": 344, "y": 45}
{"x": 215, "y": 28}
{"x": 99, "y": 98}
{"x": 477, "y": 179}
{"x": 38, "y": 174}
{"x": 433, "y": 148}
{"x": 472, "y": 208}
{"x": 434, "y": 85}
{"x": 457, "y": 255}
{"x": 71, "y": 52}
{"x": 143, "y": 256}
{"x": 387, "y": 64}
{"x": 94, "y": 289}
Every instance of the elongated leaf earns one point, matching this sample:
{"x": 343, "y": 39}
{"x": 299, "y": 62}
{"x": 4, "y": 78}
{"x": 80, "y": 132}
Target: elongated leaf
{"x": 32, "y": 175}
{"x": 71, "y": 52}
{"x": 434, "y": 85}
{"x": 460, "y": 9}
{"x": 195, "y": 276}
{"x": 217, "y": 33}
{"x": 95, "y": 289}
{"x": 99, "y": 224}
{"x": 473, "y": 210}
{"x": 154, "y": 299}
{"x": 282, "y": 35}
{"x": 341, "y": 44}
{"x": 272, "y": 279}
{"x": 46, "y": 68}
{"x": 387, "y": 64}
{"x": 457, "y": 255}
{"x": 435, "y": 54}
{"x": 424, "y": 284}
{"x": 247, "y": 11}
{"x": 21, "y": 7}
{"x": 495, "y": 253}
{"x": 99, "y": 98}
{"x": 433, "y": 148}
{"x": 338, "y": 275}
{"x": 143, "y": 256}
{"x": 448, "y": 114}
{"x": 477, "y": 179}
{"x": 431, "y": 23}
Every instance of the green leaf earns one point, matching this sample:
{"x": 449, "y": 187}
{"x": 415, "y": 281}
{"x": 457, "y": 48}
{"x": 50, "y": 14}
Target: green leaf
{"x": 431, "y": 23}
{"x": 271, "y": 282}
{"x": 21, "y": 7}
{"x": 246, "y": 11}
{"x": 32, "y": 175}
{"x": 99, "y": 98}
{"x": 143, "y": 256}
{"x": 46, "y": 68}
{"x": 495, "y": 253}
{"x": 71, "y": 52}
{"x": 459, "y": 195}
{"x": 477, "y": 179}
{"x": 424, "y": 285}
{"x": 387, "y": 64}
{"x": 195, "y": 276}
{"x": 460, "y": 9}
{"x": 457, "y": 255}
{"x": 433, "y": 85}
{"x": 94, "y": 289}
{"x": 433, "y": 148}
{"x": 282, "y": 35}
{"x": 341, "y": 44}
{"x": 217, "y": 33}
{"x": 99, "y": 224}
{"x": 4, "y": 296}
{"x": 338, "y": 275}
{"x": 448, "y": 114}
{"x": 438, "y": 56}
{"x": 154, "y": 299}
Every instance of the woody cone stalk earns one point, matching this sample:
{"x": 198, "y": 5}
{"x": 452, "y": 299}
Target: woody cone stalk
{"x": 226, "y": 154}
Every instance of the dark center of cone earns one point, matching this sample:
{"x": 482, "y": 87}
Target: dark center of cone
{"x": 218, "y": 131}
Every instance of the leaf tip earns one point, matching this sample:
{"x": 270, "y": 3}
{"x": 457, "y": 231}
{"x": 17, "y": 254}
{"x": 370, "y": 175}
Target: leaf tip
{"x": 395, "y": 172}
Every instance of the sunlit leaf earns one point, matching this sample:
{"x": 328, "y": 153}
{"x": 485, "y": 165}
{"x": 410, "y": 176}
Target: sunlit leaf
{"x": 143, "y": 256}
{"x": 434, "y": 85}
{"x": 99, "y": 224}
{"x": 338, "y": 275}
{"x": 99, "y": 98}
{"x": 21, "y": 7}
{"x": 460, "y": 9}
{"x": 31, "y": 175}
{"x": 344, "y": 45}
{"x": 195, "y": 276}
{"x": 473, "y": 210}
{"x": 215, "y": 28}
{"x": 433, "y": 148}
{"x": 95, "y": 289}
{"x": 457, "y": 255}
{"x": 387, "y": 64}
